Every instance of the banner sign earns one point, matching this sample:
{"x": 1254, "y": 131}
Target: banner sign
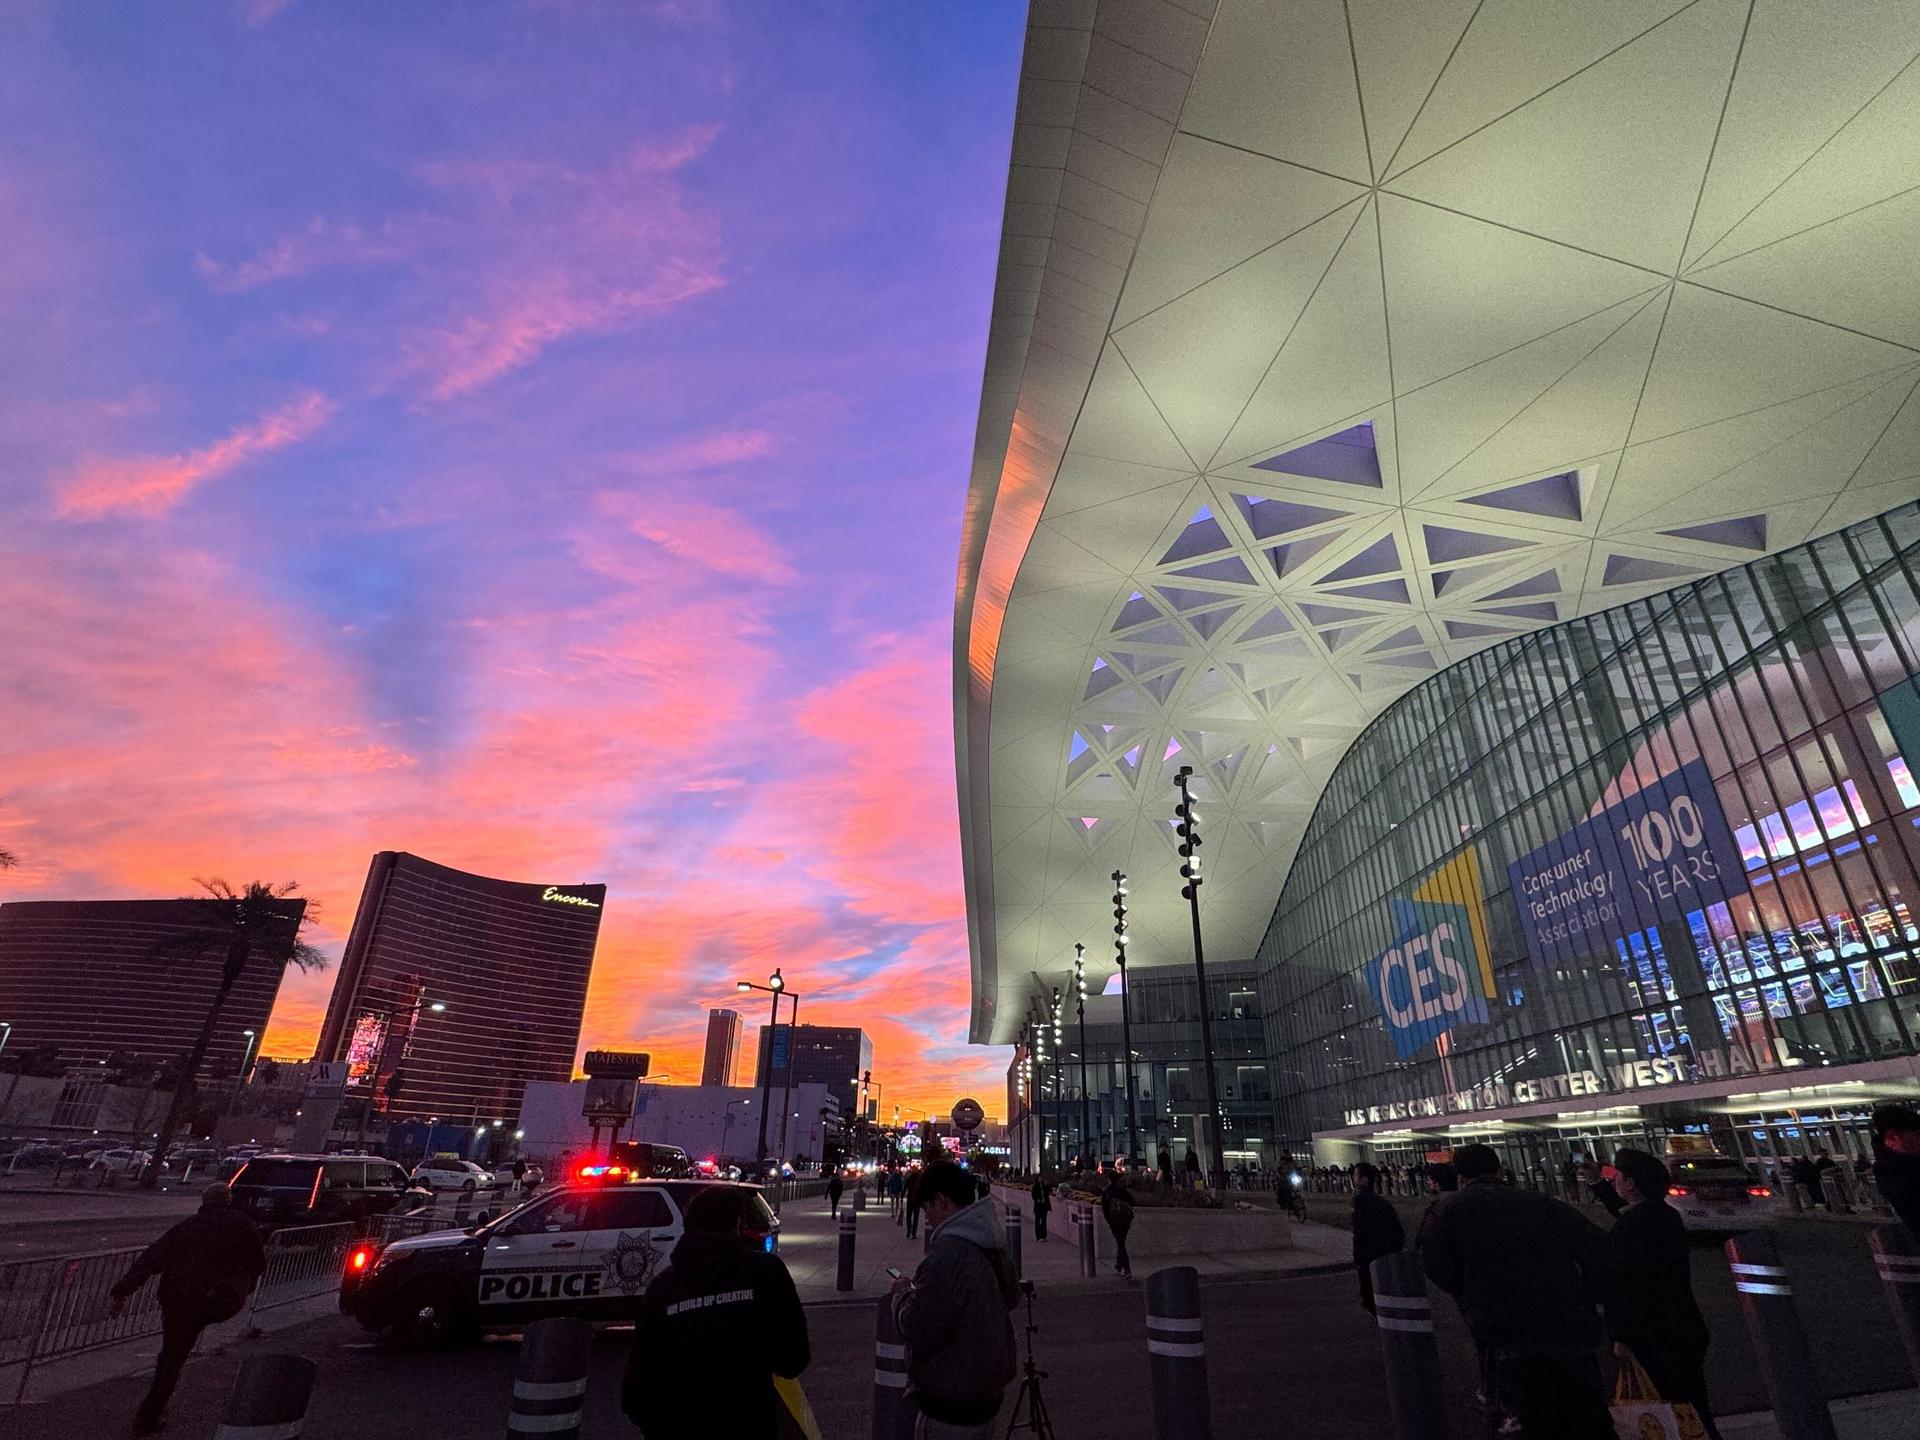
{"x": 1657, "y": 855}
{"x": 1426, "y": 982}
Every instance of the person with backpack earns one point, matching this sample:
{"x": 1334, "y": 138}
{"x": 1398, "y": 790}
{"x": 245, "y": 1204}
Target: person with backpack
{"x": 1116, "y": 1204}
{"x": 1530, "y": 1275}
{"x": 953, "y": 1313}
{"x": 208, "y": 1265}
{"x": 715, "y": 1327}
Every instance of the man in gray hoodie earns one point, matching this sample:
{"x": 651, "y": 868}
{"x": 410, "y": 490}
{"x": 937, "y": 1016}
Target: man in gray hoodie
{"x": 953, "y": 1313}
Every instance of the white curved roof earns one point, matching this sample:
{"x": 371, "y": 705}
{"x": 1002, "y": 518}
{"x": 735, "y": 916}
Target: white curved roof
{"x": 1335, "y": 341}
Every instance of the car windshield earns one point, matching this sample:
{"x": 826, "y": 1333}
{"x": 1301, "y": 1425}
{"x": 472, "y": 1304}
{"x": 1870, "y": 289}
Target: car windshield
{"x": 276, "y": 1172}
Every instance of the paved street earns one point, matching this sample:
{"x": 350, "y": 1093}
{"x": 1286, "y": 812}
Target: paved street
{"x": 1296, "y": 1352}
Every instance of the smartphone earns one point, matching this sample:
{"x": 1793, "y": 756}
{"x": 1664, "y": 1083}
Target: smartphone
{"x": 896, "y": 1272}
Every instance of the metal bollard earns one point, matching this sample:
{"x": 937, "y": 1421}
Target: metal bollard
{"x": 1177, "y": 1356}
{"x": 1779, "y": 1341}
{"x": 1089, "y": 1243}
{"x": 892, "y": 1411}
{"x": 268, "y": 1400}
{"x": 1896, "y": 1254}
{"x": 550, "y": 1382}
{"x": 1014, "y": 1239}
{"x": 845, "y": 1278}
{"x": 1404, "y": 1314}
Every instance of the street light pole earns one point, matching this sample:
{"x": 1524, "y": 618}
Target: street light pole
{"x": 773, "y": 986}
{"x": 1126, "y": 1010}
{"x": 786, "y": 1090}
{"x": 246, "y": 1054}
{"x": 1187, "y": 825}
{"x": 1059, "y": 1091}
{"x": 1080, "y": 1004}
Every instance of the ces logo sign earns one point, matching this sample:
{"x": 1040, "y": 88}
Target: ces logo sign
{"x": 1436, "y": 973}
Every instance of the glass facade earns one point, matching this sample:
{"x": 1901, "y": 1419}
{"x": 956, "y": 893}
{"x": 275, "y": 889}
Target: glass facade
{"x": 1662, "y": 853}
{"x": 1169, "y": 1074}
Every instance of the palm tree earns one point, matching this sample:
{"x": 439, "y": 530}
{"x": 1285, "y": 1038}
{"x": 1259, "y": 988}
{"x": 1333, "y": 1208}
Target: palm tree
{"x": 8, "y": 859}
{"x": 257, "y": 922}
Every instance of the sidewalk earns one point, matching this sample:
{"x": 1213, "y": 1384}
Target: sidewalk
{"x": 810, "y": 1244}
{"x": 1894, "y": 1415}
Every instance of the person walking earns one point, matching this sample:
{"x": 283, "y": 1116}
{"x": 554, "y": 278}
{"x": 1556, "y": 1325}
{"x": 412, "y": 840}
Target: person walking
{"x": 714, "y": 1329}
{"x": 1192, "y": 1169}
{"x": 1529, "y": 1275}
{"x": 1896, "y": 1161}
{"x": 1376, "y": 1228}
{"x": 836, "y": 1187}
{"x": 1802, "y": 1171}
{"x": 911, "y": 1199}
{"x": 1116, "y": 1203}
{"x": 519, "y": 1173}
{"x": 1042, "y": 1207}
{"x": 1165, "y": 1167}
{"x": 208, "y": 1264}
{"x": 896, "y": 1188}
{"x": 1653, "y": 1315}
{"x": 953, "y": 1313}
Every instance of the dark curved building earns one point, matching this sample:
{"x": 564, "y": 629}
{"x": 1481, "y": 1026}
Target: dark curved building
{"x": 103, "y": 977}
{"x": 509, "y": 962}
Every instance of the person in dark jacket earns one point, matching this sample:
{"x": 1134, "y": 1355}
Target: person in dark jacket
{"x": 1376, "y": 1228}
{"x": 1116, "y": 1204}
{"x": 1653, "y": 1314}
{"x": 208, "y": 1265}
{"x": 1802, "y": 1171}
{"x": 953, "y": 1313}
{"x": 836, "y": 1187}
{"x": 911, "y": 1199}
{"x": 714, "y": 1328}
{"x": 1042, "y": 1207}
{"x": 1896, "y": 1161}
{"x": 1165, "y": 1166}
{"x": 896, "y": 1190}
{"x": 1529, "y": 1274}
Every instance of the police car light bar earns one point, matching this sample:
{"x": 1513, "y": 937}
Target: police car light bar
{"x": 594, "y": 1172}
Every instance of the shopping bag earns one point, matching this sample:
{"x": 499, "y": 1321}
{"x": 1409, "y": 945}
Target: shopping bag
{"x": 796, "y": 1415}
{"x": 1640, "y": 1414}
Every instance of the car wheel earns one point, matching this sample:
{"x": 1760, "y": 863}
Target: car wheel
{"x": 426, "y": 1318}
{"x": 468, "y": 1187}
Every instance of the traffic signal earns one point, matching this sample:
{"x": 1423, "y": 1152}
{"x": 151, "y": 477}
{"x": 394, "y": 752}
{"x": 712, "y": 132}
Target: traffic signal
{"x": 1186, "y": 824}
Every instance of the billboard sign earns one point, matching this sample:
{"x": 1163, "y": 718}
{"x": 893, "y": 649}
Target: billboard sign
{"x": 618, "y": 1064}
{"x": 367, "y": 1047}
{"x": 608, "y": 1098}
{"x": 967, "y": 1115}
{"x": 1659, "y": 854}
{"x": 1437, "y": 973}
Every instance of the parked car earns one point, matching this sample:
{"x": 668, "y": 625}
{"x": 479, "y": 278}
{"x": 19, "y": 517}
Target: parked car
{"x": 444, "y": 1172}
{"x": 275, "y": 1191}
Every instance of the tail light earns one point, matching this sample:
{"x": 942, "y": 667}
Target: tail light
{"x": 1760, "y": 1192}
{"x": 1680, "y": 1190}
{"x": 359, "y": 1259}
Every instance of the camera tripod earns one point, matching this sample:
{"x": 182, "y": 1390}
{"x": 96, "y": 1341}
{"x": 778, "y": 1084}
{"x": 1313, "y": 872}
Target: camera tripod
{"x": 1038, "y": 1423}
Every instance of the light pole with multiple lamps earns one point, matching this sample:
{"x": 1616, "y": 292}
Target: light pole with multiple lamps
{"x": 1039, "y": 1076}
{"x": 1080, "y": 1006}
{"x": 1126, "y": 1011}
{"x": 1187, "y": 825}
{"x": 776, "y": 986}
{"x": 1059, "y": 1090}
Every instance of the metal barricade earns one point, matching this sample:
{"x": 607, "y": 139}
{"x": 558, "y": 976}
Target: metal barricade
{"x": 303, "y": 1261}
{"x": 57, "y": 1306}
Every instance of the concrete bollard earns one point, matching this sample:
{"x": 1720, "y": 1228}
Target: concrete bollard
{"x": 1177, "y": 1356}
{"x": 892, "y": 1411}
{"x": 268, "y": 1400}
{"x": 1779, "y": 1340}
{"x": 1896, "y": 1254}
{"x": 844, "y": 1281}
{"x": 1404, "y": 1314}
{"x": 550, "y": 1381}
{"x": 1089, "y": 1243}
{"x": 1014, "y": 1239}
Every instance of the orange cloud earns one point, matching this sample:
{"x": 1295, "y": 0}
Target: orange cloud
{"x": 154, "y": 484}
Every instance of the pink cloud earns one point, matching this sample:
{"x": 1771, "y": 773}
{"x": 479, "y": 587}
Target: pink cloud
{"x": 259, "y": 12}
{"x": 321, "y": 244}
{"x": 153, "y": 484}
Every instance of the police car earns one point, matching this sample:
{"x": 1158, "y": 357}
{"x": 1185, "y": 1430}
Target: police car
{"x": 586, "y": 1249}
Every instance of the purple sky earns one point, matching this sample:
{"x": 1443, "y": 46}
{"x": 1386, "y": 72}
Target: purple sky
{"x": 532, "y": 435}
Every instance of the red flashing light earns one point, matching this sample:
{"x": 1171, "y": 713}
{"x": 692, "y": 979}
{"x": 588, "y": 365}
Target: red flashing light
{"x": 1681, "y": 1190}
{"x": 1760, "y": 1192}
{"x": 360, "y": 1259}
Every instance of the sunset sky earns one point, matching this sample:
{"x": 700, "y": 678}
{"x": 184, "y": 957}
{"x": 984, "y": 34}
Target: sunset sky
{"x": 531, "y": 435}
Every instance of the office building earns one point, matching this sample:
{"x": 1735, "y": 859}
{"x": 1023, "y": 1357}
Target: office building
{"x": 97, "y": 978}
{"x": 723, "y": 1047}
{"x": 831, "y": 1055}
{"x": 455, "y": 990}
